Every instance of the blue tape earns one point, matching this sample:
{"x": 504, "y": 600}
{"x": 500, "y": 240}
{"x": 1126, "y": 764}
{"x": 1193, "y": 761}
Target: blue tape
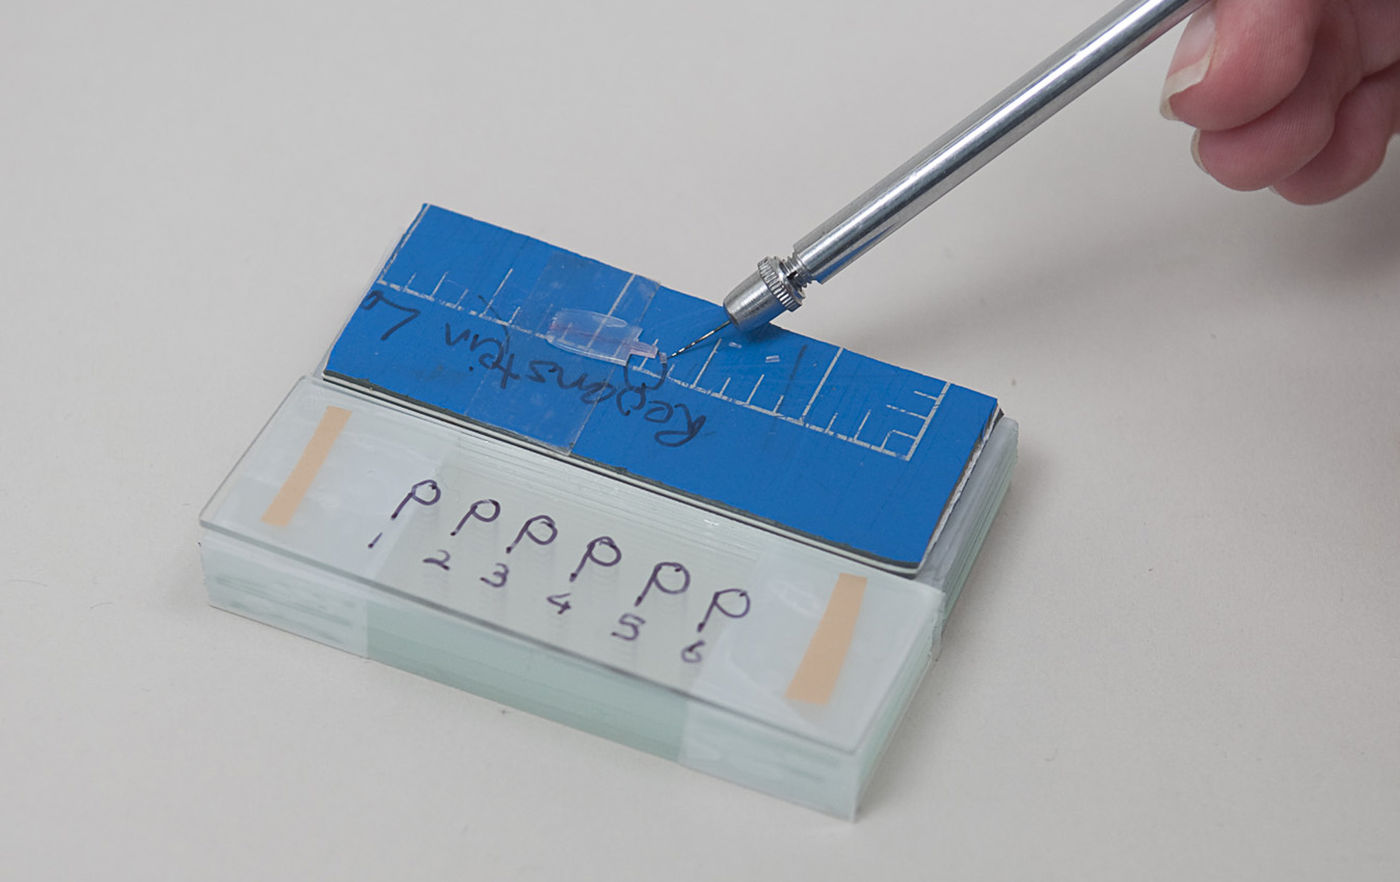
{"x": 786, "y": 429}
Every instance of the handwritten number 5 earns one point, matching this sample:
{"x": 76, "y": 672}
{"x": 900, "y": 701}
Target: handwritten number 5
{"x": 632, "y": 623}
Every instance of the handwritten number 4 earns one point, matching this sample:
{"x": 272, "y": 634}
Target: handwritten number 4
{"x": 561, "y": 601}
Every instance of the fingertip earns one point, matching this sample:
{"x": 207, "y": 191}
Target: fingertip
{"x": 1217, "y": 155}
{"x": 1257, "y": 53}
{"x": 1265, "y": 152}
{"x": 1196, "y": 151}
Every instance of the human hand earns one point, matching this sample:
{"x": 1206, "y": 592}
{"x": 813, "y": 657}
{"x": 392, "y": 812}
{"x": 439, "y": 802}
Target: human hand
{"x": 1299, "y": 95}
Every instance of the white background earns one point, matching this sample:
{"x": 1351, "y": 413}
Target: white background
{"x": 1176, "y": 658}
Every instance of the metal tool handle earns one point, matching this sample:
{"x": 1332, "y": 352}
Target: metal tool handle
{"x": 946, "y": 162}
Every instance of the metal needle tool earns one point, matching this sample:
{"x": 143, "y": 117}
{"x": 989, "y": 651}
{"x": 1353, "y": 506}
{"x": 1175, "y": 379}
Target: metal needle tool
{"x": 777, "y": 284}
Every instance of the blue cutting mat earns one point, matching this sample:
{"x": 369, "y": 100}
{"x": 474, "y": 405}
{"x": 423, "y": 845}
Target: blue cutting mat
{"x": 787, "y": 429}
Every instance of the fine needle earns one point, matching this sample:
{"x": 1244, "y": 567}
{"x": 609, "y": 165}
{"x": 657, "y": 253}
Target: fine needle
{"x": 702, "y": 338}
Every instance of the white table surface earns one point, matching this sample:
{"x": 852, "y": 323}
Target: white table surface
{"x": 1177, "y": 657}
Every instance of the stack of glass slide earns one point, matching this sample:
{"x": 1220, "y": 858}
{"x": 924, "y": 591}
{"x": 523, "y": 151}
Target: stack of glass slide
{"x": 741, "y": 559}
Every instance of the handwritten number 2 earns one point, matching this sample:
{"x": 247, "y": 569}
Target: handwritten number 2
{"x": 632, "y": 623}
{"x": 440, "y": 559}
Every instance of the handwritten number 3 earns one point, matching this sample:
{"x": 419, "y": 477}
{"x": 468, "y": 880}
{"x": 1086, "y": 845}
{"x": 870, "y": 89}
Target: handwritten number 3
{"x": 497, "y": 579}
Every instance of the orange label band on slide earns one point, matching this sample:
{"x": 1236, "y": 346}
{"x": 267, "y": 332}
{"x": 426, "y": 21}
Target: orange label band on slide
{"x": 313, "y": 456}
{"x": 826, "y": 652}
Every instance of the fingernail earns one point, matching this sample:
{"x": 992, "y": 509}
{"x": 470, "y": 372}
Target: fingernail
{"x": 1192, "y": 58}
{"x": 1196, "y": 150}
